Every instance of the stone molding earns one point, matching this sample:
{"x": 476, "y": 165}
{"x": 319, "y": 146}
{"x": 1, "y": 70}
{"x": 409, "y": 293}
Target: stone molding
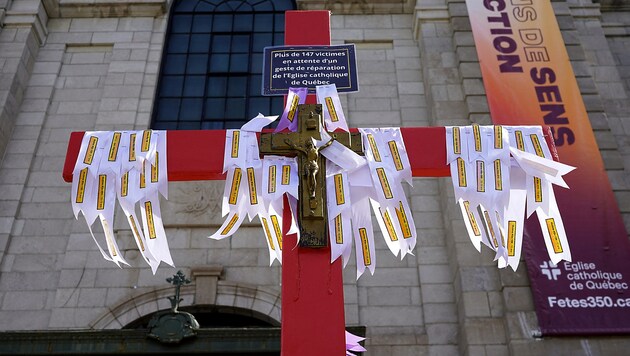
{"x": 106, "y": 8}
{"x": 359, "y": 7}
{"x": 231, "y": 294}
{"x": 27, "y": 16}
{"x": 428, "y": 13}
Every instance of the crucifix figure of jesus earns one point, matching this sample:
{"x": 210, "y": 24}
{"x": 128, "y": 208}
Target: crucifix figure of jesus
{"x": 313, "y": 320}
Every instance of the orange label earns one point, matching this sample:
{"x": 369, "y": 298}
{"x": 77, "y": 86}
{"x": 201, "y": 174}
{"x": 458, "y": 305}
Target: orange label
{"x": 520, "y": 143}
{"x": 251, "y": 180}
{"x": 553, "y": 235}
{"x": 538, "y": 193}
{"x": 471, "y": 217}
{"x": 91, "y": 150}
{"x": 230, "y": 225}
{"x": 477, "y": 135}
{"x": 457, "y": 141}
{"x": 481, "y": 176}
{"x": 271, "y": 187}
{"x": 102, "y": 186}
{"x": 132, "y": 148}
{"x": 389, "y": 225}
{"x": 113, "y": 148}
{"x": 293, "y": 108}
{"x": 81, "y": 185}
{"x": 338, "y": 230}
{"x": 402, "y": 219}
{"x": 537, "y": 147}
{"x": 286, "y": 175}
{"x": 461, "y": 172}
{"x": 374, "y": 147}
{"x": 148, "y": 210}
{"x": 498, "y": 137}
{"x": 155, "y": 170}
{"x": 511, "y": 238}
{"x": 236, "y": 135}
{"x": 124, "y": 185}
{"x": 393, "y": 148}
{"x": 146, "y": 141}
{"x": 339, "y": 194}
{"x": 331, "y": 109}
{"x": 268, "y": 233}
{"x": 236, "y": 183}
{"x": 498, "y": 178}
{"x": 134, "y": 228}
{"x": 365, "y": 244}
{"x": 143, "y": 181}
{"x": 382, "y": 176}
{"x": 277, "y": 229}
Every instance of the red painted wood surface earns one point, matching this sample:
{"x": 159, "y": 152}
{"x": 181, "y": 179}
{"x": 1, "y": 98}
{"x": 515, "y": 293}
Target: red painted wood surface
{"x": 198, "y": 155}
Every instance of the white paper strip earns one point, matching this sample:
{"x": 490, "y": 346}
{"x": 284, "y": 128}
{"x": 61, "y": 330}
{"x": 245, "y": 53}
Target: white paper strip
{"x": 334, "y": 117}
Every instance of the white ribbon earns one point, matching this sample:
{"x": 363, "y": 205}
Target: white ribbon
{"x": 492, "y": 189}
{"x": 334, "y": 117}
{"x": 112, "y": 165}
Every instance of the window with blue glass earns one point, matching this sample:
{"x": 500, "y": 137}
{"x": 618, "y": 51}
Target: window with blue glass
{"x": 212, "y": 62}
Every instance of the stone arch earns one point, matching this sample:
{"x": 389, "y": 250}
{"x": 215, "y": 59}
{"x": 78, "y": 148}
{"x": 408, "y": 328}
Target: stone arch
{"x": 261, "y": 300}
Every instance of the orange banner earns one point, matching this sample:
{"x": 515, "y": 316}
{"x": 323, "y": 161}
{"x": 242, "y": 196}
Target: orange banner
{"x": 529, "y": 81}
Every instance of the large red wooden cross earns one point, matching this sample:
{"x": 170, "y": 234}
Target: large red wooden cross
{"x": 313, "y": 320}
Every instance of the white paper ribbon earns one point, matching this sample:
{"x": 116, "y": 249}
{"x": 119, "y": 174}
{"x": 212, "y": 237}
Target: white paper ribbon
{"x": 111, "y": 165}
{"x": 334, "y": 117}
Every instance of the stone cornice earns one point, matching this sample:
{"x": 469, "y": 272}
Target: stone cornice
{"x": 27, "y": 16}
{"x": 106, "y": 8}
{"x": 424, "y": 13}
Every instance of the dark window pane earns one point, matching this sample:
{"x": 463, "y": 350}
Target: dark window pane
{"x": 204, "y": 7}
{"x": 237, "y": 87}
{"x": 165, "y": 125}
{"x": 191, "y": 110}
{"x": 222, "y": 23}
{"x": 175, "y": 64}
{"x": 278, "y": 39}
{"x": 259, "y": 105}
{"x": 215, "y": 109}
{"x": 234, "y": 124}
{"x": 181, "y": 23}
{"x": 217, "y": 86}
{"x": 221, "y": 44}
{"x": 262, "y": 40}
{"x": 256, "y": 63}
{"x": 263, "y": 23}
{"x": 238, "y": 5}
{"x": 185, "y": 5}
{"x": 243, "y": 22}
{"x": 255, "y": 85}
{"x": 197, "y": 64}
{"x": 219, "y": 62}
{"x": 212, "y": 125}
{"x": 200, "y": 43}
{"x": 277, "y": 105}
{"x": 188, "y": 126}
{"x": 282, "y": 5}
{"x": 178, "y": 44}
{"x": 278, "y": 24}
{"x": 168, "y": 109}
{"x": 264, "y": 6}
{"x": 240, "y": 44}
{"x": 239, "y": 63}
{"x": 194, "y": 85}
{"x": 235, "y": 108}
{"x": 202, "y": 23}
{"x": 171, "y": 85}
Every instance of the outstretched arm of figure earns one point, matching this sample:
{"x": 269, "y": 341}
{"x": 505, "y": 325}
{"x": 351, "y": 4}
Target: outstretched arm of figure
{"x": 294, "y": 146}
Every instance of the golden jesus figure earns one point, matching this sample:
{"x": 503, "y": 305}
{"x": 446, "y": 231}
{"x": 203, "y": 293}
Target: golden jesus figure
{"x": 311, "y": 164}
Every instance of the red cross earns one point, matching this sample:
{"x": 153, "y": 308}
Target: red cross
{"x": 313, "y": 320}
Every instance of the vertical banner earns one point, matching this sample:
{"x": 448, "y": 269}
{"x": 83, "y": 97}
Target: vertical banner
{"x": 529, "y": 81}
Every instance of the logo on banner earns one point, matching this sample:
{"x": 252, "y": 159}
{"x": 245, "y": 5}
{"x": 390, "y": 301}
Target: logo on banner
{"x": 550, "y": 270}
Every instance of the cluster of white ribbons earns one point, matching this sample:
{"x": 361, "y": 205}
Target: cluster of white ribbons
{"x": 354, "y": 183}
{"x": 130, "y": 166}
{"x": 498, "y": 171}
{"x": 255, "y": 187}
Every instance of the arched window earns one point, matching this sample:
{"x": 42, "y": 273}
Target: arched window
{"x": 212, "y": 62}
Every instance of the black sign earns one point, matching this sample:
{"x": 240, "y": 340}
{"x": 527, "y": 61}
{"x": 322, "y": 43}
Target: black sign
{"x": 308, "y": 67}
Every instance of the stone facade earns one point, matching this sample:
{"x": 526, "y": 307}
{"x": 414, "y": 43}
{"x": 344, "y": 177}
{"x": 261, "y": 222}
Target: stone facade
{"x": 93, "y": 65}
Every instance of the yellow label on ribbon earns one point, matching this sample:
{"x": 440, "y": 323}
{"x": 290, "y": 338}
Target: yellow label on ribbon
{"x": 538, "y": 193}
{"x": 236, "y": 136}
{"x": 331, "y": 109}
{"x": 393, "y": 148}
{"x": 520, "y": 143}
{"x": 102, "y": 186}
{"x": 461, "y": 172}
{"x": 271, "y": 186}
{"x": 511, "y": 238}
{"x": 457, "y": 141}
{"x": 389, "y": 225}
{"x": 81, "y": 185}
{"x": 113, "y": 148}
{"x": 477, "y": 135}
{"x": 148, "y": 210}
{"x": 374, "y": 147}
{"x": 132, "y": 147}
{"x": 124, "y": 185}
{"x": 382, "y": 176}
{"x": 91, "y": 150}
{"x": 230, "y": 225}
{"x": 491, "y": 229}
{"x": 537, "y": 147}
{"x": 338, "y": 230}
{"x": 402, "y": 219}
{"x": 146, "y": 141}
{"x": 136, "y": 233}
{"x": 268, "y": 233}
{"x": 251, "y": 180}
{"x": 553, "y": 234}
{"x": 339, "y": 194}
{"x": 155, "y": 169}
{"x": 143, "y": 180}
{"x": 498, "y": 176}
{"x": 498, "y": 137}
{"x": 365, "y": 244}
{"x": 277, "y": 229}
{"x": 286, "y": 175}
{"x": 293, "y": 108}
{"x": 481, "y": 176}
{"x": 236, "y": 183}
{"x": 471, "y": 217}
